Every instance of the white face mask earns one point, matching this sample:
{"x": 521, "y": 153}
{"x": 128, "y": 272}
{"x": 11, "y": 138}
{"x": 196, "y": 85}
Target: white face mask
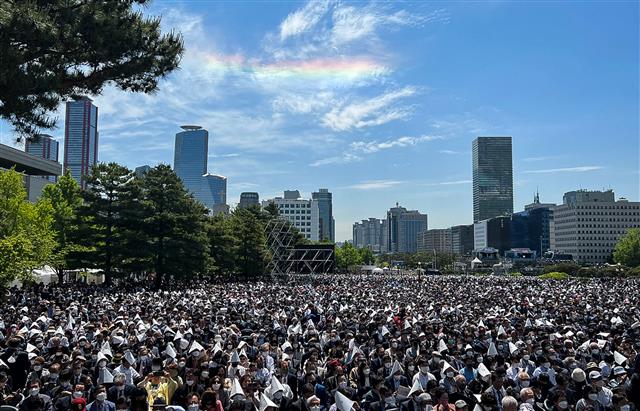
{"x": 526, "y": 357}
{"x": 424, "y": 370}
{"x": 593, "y": 397}
{"x": 315, "y": 408}
{"x": 37, "y": 367}
{"x": 77, "y": 394}
{"x": 530, "y": 401}
{"x": 524, "y": 383}
{"x": 101, "y": 397}
{"x": 428, "y": 407}
{"x": 181, "y": 364}
{"x": 193, "y": 407}
{"x": 342, "y": 384}
{"x": 216, "y": 387}
{"x": 34, "y": 391}
{"x": 190, "y": 382}
{"x": 625, "y": 407}
{"x": 563, "y": 405}
{"x": 366, "y": 371}
{"x": 449, "y": 374}
{"x": 155, "y": 368}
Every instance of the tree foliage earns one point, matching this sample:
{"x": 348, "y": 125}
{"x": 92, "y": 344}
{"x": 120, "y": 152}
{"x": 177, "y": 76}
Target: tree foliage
{"x": 251, "y": 252}
{"x": 66, "y": 200}
{"x": 347, "y": 257}
{"x": 627, "y": 250}
{"x": 57, "y": 49}
{"x": 26, "y": 234}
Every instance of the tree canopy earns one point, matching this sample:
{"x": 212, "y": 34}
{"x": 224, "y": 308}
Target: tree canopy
{"x": 59, "y": 49}
{"x": 627, "y": 249}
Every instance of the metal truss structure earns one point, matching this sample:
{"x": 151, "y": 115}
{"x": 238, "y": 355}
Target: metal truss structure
{"x": 288, "y": 258}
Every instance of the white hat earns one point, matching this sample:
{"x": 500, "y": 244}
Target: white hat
{"x": 195, "y": 346}
{"x": 275, "y": 386}
{"x": 512, "y": 347}
{"x": 343, "y": 403}
{"x": 105, "y": 376}
{"x": 236, "y": 389}
{"x": 170, "y": 351}
{"x": 265, "y": 403}
{"x": 129, "y": 357}
{"x": 101, "y": 357}
{"x": 442, "y": 346}
{"x": 396, "y": 367}
{"x": 416, "y": 387}
{"x": 619, "y": 358}
{"x": 492, "y": 350}
{"x": 235, "y": 357}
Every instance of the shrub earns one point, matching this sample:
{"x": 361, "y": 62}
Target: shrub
{"x": 569, "y": 268}
{"x": 555, "y": 275}
{"x": 515, "y": 274}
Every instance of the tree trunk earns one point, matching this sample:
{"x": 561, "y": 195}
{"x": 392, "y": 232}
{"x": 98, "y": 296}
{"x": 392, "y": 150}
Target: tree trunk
{"x": 60, "y": 274}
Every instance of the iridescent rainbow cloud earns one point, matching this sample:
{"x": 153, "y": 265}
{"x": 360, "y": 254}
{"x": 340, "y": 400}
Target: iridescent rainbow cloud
{"x": 323, "y": 67}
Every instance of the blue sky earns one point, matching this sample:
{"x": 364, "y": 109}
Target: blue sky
{"x": 379, "y": 101}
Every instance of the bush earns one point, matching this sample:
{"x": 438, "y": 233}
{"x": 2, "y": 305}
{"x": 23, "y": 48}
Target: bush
{"x": 633, "y": 272}
{"x": 555, "y": 275}
{"x": 569, "y": 268}
{"x": 515, "y": 274}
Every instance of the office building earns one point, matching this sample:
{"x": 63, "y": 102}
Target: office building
{"x": 248, "y": 199}
{"x": 368, "y": 234}
{"x": 141, "y": 171}
{"x": 35, "y": 169}
{"x": 44, "y": 147}
{"x": 190, "y": 164}
{"x": 493, "y": 233}
{"x": 81, "y": 138}
{"x": 435, "y": 241}
{"x": 530, "y": 229}
{"x": 588, "y": 224}
{"x": 492, "y": 178}
{"x": 325, "y": 214}
{"x": 462, "y": 239}
{"x": 403, "y": 227}
{"x": 302, "y": 213}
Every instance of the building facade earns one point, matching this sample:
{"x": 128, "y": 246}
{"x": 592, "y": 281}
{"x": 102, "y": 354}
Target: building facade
{"x": 325, "y": 214}
{"x": 141, "y": 171}
{"x": 493, "y": 233}
{"x": 462, "y": 239}
{"x": 588, "y": 224}
{"x": 302, "y": 213}
{"x": 190, "y": 164}
{"x": 248, "y": 199}
{"x": 44, "y": 147}
{"x": 368, "y": 234}
{"x": 492, "y": 177}
{"x": 81, "y": 138}
{"x": 435, "y": 240}
{"x": 403, "y": 227}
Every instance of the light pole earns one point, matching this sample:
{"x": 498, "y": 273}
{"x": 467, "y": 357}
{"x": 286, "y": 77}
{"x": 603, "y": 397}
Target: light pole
{"x": 419, "y": 268}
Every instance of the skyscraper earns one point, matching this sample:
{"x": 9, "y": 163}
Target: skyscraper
{"x": 492, "y": 178}
{"x": 81, "y": 138}
{"x": 248, "y": 199}
{"x": 325, "y": 210}
{"x": 190, "y": 164}
{"x": 402, "y": 229}
{"x": 44, "y": 147}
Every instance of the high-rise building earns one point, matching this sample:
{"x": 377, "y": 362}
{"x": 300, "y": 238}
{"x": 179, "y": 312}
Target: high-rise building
{"x": 44, "y": 147}
{"x": 492, "y": 178}
{"x": 81, "y": 138}
{"x": 462, "y": 239}
{"x": 302, "y": 213}
{"x": 493, "y": 233}
{"x": 190, "y": 164}
{"x": 436, "y": 240}
{"x": 141, "y": 171}
{"x": 325, "y": 214}
{"x": 403, "y": 227}
{"x": 588, "y": 224}
{"x": 368, "y": 234}
{"x": 531, "y": 228}
{"x": 248, "y": 199}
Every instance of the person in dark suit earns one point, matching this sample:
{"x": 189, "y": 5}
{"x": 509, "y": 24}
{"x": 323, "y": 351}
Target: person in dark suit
{"x": 373, "y": 396}
{"x": 397, "y": 378}
{"x": 101, "y": 403}
{"x": 35, "y": 400}
{"x": 120, "y": 388}
{"x": 301, "y": 403}
{"x": 344, "y": 388}
{"x": 18, "y": 363}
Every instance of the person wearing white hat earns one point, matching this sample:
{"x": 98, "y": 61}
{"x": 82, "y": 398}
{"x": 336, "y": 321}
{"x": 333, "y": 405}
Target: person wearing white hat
{"x": 605, "y": 395}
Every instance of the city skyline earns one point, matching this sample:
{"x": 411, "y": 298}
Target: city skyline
{"x": 388, "y": 112}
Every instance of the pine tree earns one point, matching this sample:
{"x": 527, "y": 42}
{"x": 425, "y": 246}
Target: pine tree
{"x": 252, "y": 243}
{"x": 223, "y": 244}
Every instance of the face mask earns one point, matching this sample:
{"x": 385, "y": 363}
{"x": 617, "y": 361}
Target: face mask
{"x": 411, "y": 368}
{"x": 563, "y": 405}
{"x": 366, "y": 371}
{"x": 394, "y": 345}
{"x": 204, "y": 374}
{"x": 193, "y": 407}
{"x": 424, "y": 370}
{"x": 102, "y": 364}
{"x": 595, "y": 352}
{"x": 101, "y": 397}
{"x": 449, "y": 374}
{"x": 428, "y": 407}
{"x": 181, "y": 364}
{"x": 196, "y": 354}
{"x": 315, "y": 408}
{"x": 53, "y": 376}
{"x": 546, "y": 364}
{"x": 155, "y": 368}
{"x": 215, "y": 387}
{"x": 190, "y": 382}
{"x": 525, "y": 383}
{"x": 37, "y": 367}
{"x": 77, "y": 394}
{"x": 387, "y": 365}
{"x": 34, "y": 391}
{"x": 593, "y": 397}
{"x": 526, "y": 357}
{"x": 343, "y": 384}
{"x": 479, "y": 360}
{"x": 625, "y": 407}
{"x": 397, "y": 376}
{"x": 530, "y": 401}
{"x": 599, "y": 384}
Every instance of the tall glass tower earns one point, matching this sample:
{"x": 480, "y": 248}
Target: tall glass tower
{"x": 81, "y": 138}
{"x": 492, "y": 177}
{"x": 325, "y": 214}
{"x": 190, "y": 164}
{"x": 44, "y": 147}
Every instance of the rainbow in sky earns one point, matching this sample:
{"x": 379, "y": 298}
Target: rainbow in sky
{"x": 350, "y": 68}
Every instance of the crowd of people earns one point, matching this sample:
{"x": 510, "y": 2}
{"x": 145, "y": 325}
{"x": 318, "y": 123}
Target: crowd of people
{"x": 327, "y": 343}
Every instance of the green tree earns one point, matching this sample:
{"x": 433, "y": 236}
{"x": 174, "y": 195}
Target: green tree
{"x": 58, "y": 49}
{"x": 66, "y": 200}
{"x": 252, "y": 242}
{"x": 107, "y": 202}
{"x": 347, "y": 257}
{"x": 223, "y": 244}
{"x": 366, "y": 255}
{"x": 627, "y": 250}
{"x": 174, "y": 227}
{"x": 27, "y": 239}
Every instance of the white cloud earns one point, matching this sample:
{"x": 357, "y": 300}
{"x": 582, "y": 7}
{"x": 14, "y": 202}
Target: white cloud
{"x": 579, "y": 169}
{"x": 375, "y": 185}
{"x": 450, "y": 152}
{"x": 373, "y": 147}
{"x": 371, "y": 112}
{"x": 304, "y": 19}
{"x": 343, "y": 159}
{"x": 450, "y": 183}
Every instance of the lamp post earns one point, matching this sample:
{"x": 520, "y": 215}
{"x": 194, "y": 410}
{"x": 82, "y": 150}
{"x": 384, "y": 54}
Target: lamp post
{"x": 419, "y": 269}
